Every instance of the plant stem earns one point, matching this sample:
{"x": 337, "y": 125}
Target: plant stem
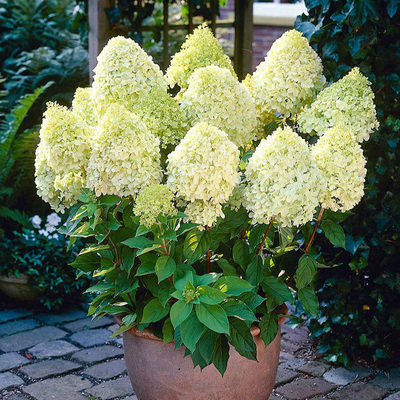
{"x": 265, "y": 236}
{"x": 243, "y": 233}
{"x": 315, "y": 229}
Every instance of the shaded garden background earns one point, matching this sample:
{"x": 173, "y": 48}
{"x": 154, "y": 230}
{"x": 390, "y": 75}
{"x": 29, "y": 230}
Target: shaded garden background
{"x": 46, "y": 41}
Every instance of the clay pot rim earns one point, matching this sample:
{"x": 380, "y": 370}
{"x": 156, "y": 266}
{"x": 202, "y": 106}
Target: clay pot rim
{"x": 147, "y": 334}
{"x": 11, "y": 278}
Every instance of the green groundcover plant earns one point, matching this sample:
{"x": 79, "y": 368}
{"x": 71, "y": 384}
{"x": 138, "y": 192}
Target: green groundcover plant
{"x": 40, "y": 252}
{"x": 199, "y": 211}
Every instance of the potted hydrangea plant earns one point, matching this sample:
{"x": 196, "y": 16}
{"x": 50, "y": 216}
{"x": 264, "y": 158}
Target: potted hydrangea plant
{"x": 199, "y": 211}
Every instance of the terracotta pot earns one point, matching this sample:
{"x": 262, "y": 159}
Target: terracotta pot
{"x": 157, "y": 371}
{"x": 18, "y": 288}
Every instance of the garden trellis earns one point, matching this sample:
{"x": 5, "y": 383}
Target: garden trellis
{"x": 101, "y": 29}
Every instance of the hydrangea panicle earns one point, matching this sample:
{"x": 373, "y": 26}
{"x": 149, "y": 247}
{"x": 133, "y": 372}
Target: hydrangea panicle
{"x": 289, "y": 78}
{"x": 83, "y": 105}
{"x": 283, "y": 182}
{"x": 341, "y": 162}
{"x": 204, "y": 166}
{"x": 350, "y": 100}
{"x": 125, "y": 155}
{"x": 216, "y": 97}
{"x": 124, "y": 73}
{"x": 204, "y": 213}
{"x": 152, "y": 201}
{"x": 200, "y": 49}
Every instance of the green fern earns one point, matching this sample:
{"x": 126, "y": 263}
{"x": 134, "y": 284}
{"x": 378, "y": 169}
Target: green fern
{"x": 9, "y": 129}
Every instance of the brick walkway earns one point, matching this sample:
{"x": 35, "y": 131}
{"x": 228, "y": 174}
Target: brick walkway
{"x": 68, "y": 357}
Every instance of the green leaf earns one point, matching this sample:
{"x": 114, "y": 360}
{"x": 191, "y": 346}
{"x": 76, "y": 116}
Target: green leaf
{"x": 168, "y": 331}
{"x": 164, "y": 289}
{"x": 179, "y": 312}
{"x": 256, "y": 235}
{"x": 127, "y": 256}
{"x": 334, "y": 233}
{"x": 220, "y": 354}
{"x": 233, "y": 285}
{"x": 238, "y": 309}
{"x": 88, "y": 262}
{"x": 227, "y": 268}
{"x": 139, "y": 242}
{"x": 269, "y": 328}
{"x": 213, "y": 317}
{"x": 275, "y": 287}
{"x": 241, "y": 253}
{"x": 191, "y": 331}
{"x": 306, "y": 271}
{"x": 154, "y": 311}
{"x": 109, "y": 199}
{"x": 196, "y": 245}
{"x": 209, "y": 295}
{"x": 169, "y": 235}
{"x": 206, "y": 344}
{"x": 147, "y": 264}
{"x": 129, "y": 319}
{"x": 251, "y": 299}
{"x": 142, "y": 230}
{"x": 183, "y": 228}
{"x": 165, "y": 267}
{"x": 285, "y": 236}
{"x": 242, "y": 339}
{"x": 254, "y": 272}
{"x": 309, "y": 300}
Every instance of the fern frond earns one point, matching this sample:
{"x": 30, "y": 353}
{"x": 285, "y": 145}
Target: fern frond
{"x": 15, "y": 215}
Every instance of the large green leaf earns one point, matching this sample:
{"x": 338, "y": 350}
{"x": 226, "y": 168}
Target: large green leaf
{"x": 242, "y": 339}
{"x": 334, "y": 232}
{"x": 254, "y": 272}
{"x": 306, "y": 271}
{"x": 154, "y": 311}
{"x": 220, "y": 354}
{"x": 213, "y": 317}
{"x": 206, "y": 344}
{"x": 269, "y": 328}
{"x": 209, "y": 295}
{"x": 309, "y": 300}
{"x": 179, "y": 312}
{"x": 191, "y": 331}
{"x": 196, "y": 245}
{"x": 276, "y": 288}
{"x": 87, "y": 262}
{"x": 238, "y": 309}
{"x": 165, "y": 267}
{"x": 233, "y": 285}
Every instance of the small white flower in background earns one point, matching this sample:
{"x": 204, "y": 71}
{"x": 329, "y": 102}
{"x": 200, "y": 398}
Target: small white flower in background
{"x": 55, "y": 236}
{"x": 36, "y": 221}
{"x": 53, "y": 220}
{"x": 43, "y": 232}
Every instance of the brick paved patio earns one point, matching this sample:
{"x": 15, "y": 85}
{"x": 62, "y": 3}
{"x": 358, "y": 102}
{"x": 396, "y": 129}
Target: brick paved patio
{"x": 69, "y": 357}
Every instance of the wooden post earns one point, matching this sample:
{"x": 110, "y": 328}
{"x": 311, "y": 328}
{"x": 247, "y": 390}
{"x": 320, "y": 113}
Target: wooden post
{"x": 99, "y": 30}
{"x": 243, "y": 37}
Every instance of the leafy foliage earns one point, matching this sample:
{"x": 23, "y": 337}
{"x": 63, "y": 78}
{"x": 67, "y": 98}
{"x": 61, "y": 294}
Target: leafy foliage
{"x": 361, "y": 298}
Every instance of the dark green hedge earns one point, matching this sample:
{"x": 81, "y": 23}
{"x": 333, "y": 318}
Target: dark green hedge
{"x": 361, "y": 297}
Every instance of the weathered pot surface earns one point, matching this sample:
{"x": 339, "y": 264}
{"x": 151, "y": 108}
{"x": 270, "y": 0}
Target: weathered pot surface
{"x": 157, "y": 371}
{"x": 18, "y": 288}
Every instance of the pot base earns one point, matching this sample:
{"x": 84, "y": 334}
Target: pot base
{"x": 17, "y": 288}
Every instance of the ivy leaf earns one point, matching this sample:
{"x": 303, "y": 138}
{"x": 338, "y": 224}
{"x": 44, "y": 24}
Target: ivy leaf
{"x": 179, "y": 312}
{"x": 154, "y": 311}
{"x": 196, "y": 245}
{"x": 334, "y": 233}
{"x": 309, "y": 300}
{"x": 269, "y": 328}
{"x": 213, "y": 317}
{"x": 306, "y": 271}
{"x": 242, "y": 339}
{"x": 165, "y": 267}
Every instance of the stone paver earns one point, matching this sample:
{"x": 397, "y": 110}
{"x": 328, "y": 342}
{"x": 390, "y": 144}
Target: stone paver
{"x": 108, "y": 390}
{"x": 21, "y": 325}
{"x": 360, "y": 391}
{"x": 394, "y": 396}
{"x": 17, "y": 396}
{"x": 290, "y": 362}
{"x": 91, "y": 337}
{"x": 7, "y": 380}
{"x": 65, "y": 388}
{"x": 86, "y": 323}
{"x": 23, "y": 340}
{"x": 302, "y": 389}
{"x": 11, "y": 360}
{"x": 54, "y": 348}
{"x": 340, "y": 376}
{"x": 131, "y": 398}
{"x": 53, "y": 319}
{"x": 284, "y": 376}
{"x": 290, "y": 347}
{"x": 45, "y": 369}
{"x": 389, "y": 381}
{"x": 8, "y": 315}
{"x": 107, "y": 370}
{"x": 314, "y": 368}
{"x": 97, "y": 354}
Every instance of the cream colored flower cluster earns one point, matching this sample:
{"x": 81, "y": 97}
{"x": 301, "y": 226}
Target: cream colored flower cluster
{"x": 163, "y": 116}
{"x": 204, "y": 167}
{"x": 124, "y": 74}
{"x": 200, "y": 49}
{"x": 283, "y": 182}
{"x": 203, "y": 213}
{"x": 349, "y": 100}
{"x": 83, "y": 105}
{"x": 61, "y": 157}
{"x": 289, "y": 78}
{"x": 216, "y": 97}
{"x": 125, "y": 155}
{"x": 152, "y": 201}
{"x": 341, "y": 161}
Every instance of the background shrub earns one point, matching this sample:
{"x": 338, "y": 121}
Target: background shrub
{"x": 361, "y": 297}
